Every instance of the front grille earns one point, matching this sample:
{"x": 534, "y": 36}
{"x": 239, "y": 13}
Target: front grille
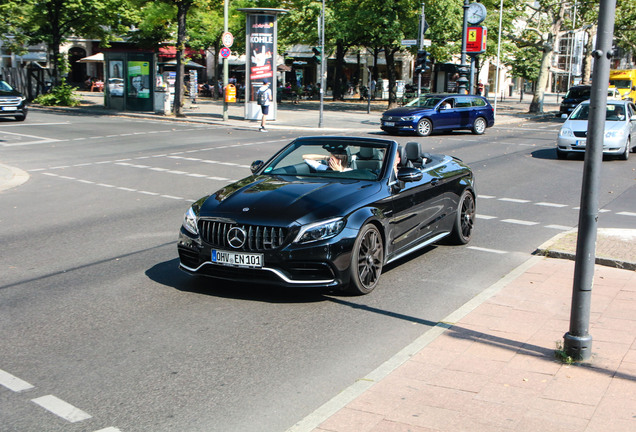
{"x": 580, "y": 134}
{"x": 10, "y": 101}
{"x": 259, "y": 238}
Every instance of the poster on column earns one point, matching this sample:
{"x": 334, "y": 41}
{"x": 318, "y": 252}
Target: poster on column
{"x": 139, "y": 79}
{"x": 260, "y": 51}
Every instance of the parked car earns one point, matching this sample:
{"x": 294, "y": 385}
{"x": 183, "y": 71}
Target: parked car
{"x": 620, "y": 129}
{"x": 296, "y": 222}
{"x": 440, "y": 112}
{"x": 12, "y": 102}
{"x": 573, "y": 97}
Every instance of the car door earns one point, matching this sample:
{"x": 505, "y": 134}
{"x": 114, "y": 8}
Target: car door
{"x": 416, "y": 209}
{"x": 464, "y": 112}
{"x": 445, "y": 118}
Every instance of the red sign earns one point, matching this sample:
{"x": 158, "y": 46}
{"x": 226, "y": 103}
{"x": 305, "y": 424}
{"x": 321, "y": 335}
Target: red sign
{"x": 476, "y": 40}
{"x": 225, "y": 52}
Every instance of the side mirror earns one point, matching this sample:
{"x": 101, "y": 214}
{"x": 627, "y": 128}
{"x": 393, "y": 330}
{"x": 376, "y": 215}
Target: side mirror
{"x": 564, "y": 116}
{"x": 256, "y": 165}
{"x": 409, "y": 175}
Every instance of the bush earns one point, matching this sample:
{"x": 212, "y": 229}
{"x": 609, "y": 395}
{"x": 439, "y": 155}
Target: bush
{"x": 61, "y": 95}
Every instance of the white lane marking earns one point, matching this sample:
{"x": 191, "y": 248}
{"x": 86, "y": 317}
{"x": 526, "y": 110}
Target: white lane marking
{"x": 30, "y": 125}
{"x": 549, "y": 204}
{"x": 626, "y": 213}
{"x": 61, "y": 409}
{"x": 514, "y": 200}
{"x": 520, "y": 222}
{"x": 485, "y": 197}
{"x": 40, "y": 140}
{"x": 495, "y": 251}
{"x": 13, "y": 383}
{"x": 481, "y": 216}
{"x": 559, "y": 227}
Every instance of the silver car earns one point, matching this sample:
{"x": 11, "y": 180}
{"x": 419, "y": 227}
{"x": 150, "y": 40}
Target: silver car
{"x": 620, "y": 128}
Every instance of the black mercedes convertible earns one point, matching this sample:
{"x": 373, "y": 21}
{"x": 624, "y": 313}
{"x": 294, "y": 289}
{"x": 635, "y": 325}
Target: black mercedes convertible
{"x": 329, "y": 212}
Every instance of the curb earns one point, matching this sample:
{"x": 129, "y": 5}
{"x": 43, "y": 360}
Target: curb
{"x": 563, "y": 246}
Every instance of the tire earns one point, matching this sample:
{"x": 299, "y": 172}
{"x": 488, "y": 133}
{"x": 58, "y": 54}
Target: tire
{"x": 464, "y": 219}
{"x": 424, "y": 127}
{"x": 561, "y": 154}
{"x": 479, "y": 126}
{"x": 628, "y": 146}
{"x": 367, "y": 258}
{"x": 20, "y": 117}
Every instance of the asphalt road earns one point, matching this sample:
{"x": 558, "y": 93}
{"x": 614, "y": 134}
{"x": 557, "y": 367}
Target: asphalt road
{"x": 101, "y": 332}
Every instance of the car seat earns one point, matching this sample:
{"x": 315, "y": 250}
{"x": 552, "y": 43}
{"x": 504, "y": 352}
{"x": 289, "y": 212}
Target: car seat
{"x": 368, "y": 158}
{"x": 414, "y": 156}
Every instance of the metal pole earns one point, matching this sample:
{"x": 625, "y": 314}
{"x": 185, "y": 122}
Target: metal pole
{"x": 578, "y": 342}
{"x": 572, "y": 42}
{"x": 463, "y": 67}
{"x": 421, "y": 48}
{"x": 323, "y": 60}
{"x": 225, "y": 64}
{"x": 498, "y": 58}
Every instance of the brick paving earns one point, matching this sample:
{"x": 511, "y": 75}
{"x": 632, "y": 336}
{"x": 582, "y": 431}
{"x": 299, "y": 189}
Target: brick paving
{"x": 496, "y": 368}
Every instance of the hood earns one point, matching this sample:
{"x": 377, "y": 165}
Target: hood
{"x": 10, "y": 93}
{"x": 266, "y": 200}
{"x": 581, "y": 125}
{"x": 407, "y": 111}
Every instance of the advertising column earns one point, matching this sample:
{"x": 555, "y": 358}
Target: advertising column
{"x": 260, "y": 62}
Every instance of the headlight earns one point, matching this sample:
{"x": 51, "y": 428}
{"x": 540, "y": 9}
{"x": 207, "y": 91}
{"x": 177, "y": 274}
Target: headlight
{"x": 320, "y": 231}
{"x": 615, "y": 133}
{"x": 566, "y": 132}
{"x": 409, "y": 118}
{"x": 190, "y": 222}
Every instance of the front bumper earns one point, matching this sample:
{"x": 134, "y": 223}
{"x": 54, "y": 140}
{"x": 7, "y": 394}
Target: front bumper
{"x": 323, "y": 264}
{"x": 611, "y": 146}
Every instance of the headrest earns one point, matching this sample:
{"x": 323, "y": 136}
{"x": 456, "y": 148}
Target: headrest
{"x": 369, "y": 153}
{"x": 413, "y": 150}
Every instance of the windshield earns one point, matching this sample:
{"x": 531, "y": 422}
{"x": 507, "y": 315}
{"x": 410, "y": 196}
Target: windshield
{"x": 425, "y": 102}
{"x": 5, "y": 87}
{"x": 613, "y": 112}
{"x": 333, "y": 159}
{"x": 578, "y": 93}
{"x": 621, "y": 83}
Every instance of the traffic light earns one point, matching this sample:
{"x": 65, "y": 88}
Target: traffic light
{"x": 422, "y": 61}
{"x": 317, "y": 55}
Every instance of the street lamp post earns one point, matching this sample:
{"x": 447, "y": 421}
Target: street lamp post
{"x": 463, "y": 67}
{"x": 225, "y": 63}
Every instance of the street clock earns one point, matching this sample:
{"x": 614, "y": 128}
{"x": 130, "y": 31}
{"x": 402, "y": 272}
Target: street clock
{"x": 476, "y": 13}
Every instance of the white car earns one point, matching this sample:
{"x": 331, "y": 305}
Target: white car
{"x": 620, "y": 130}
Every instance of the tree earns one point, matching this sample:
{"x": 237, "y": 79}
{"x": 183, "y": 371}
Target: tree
{"x": 541, "y": 31}
{"x": 53, "y": 21}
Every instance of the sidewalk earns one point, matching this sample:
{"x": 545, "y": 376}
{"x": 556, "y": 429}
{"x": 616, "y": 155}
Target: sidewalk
{"x": 492, "y": 365}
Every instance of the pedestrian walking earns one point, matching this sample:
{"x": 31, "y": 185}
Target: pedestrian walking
{"x": 263, "y": 97}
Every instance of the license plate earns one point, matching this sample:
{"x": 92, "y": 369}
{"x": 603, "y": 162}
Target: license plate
{"x": 389, "y": 123}
{"x": 237, "y": 259}
{"x": 9, "y": 108}
{"x": 580, "y": 143}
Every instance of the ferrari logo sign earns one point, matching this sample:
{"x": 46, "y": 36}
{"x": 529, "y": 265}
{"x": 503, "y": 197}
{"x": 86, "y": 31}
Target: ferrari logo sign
{"x": 476, "y": 40}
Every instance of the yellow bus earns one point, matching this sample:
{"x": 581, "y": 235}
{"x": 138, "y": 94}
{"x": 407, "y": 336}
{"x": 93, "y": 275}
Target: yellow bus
{"x": 625, "y": 82}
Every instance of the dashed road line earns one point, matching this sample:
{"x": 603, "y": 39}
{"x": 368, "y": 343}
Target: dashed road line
{"x": 514, "y": 200}
{"x": 481, "y": 249}
{"x": 626, "y": 214}
{"x": 61, "y": 409}
{"x": 13, "y": 383}
{"x": 520, "y": 222}
{"x": 548, "y": 204}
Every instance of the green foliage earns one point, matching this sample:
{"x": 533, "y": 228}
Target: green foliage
{"x": 61, "y": 95}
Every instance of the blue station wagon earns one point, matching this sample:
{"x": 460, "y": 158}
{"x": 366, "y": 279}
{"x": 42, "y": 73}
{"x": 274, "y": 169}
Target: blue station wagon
{"x": 440, "y": 112}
